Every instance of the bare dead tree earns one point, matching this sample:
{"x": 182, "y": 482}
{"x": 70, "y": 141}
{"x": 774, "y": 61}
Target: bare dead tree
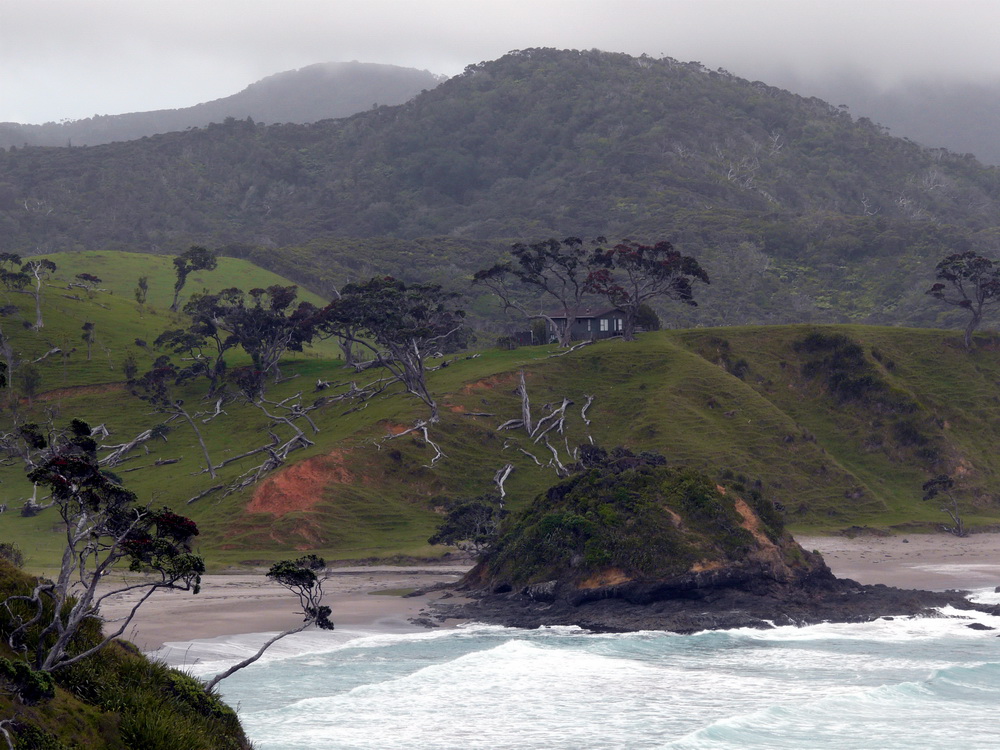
{"x": 500, "y": 477}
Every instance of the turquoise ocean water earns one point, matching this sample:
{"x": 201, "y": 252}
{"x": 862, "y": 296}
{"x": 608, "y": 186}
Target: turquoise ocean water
{"x": 900, "y": 683}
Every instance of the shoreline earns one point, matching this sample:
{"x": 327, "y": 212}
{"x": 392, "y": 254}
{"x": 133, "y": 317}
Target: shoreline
{"x": 370, "y": 597}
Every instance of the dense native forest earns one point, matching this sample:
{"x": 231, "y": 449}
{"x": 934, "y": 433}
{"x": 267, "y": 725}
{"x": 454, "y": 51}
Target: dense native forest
{"x": 801, "y": 212}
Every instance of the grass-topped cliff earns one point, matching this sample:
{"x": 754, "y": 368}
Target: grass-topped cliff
{"x": 837, "y": 425}
{"x": 116, "y": 699}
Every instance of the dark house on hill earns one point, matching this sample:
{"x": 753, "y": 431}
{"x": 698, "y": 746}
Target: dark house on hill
{"x": 592, "y": 324}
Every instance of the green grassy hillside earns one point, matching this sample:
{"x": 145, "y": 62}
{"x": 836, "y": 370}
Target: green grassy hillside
{"x": 837, "y": 425}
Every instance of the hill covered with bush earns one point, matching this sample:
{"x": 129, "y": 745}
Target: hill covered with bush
{"x": 801, "y": 212}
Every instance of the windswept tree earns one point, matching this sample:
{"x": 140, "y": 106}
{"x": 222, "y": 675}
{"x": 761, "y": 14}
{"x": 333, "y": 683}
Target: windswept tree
{"x": 942, "y": 487}
{"x": 88, "y": 282}
{"x": 970, "y": 282}
{"x": 471, "y": 525}
{"x": 303, "y": 578}
{"x": 197, "y": 258}
{"x": 401, "y": 325}
{"x": 632, "y": 274}
{"x": 204, "y": 342}
{"x": 552, "y": 273}
{"x": 37, "y": 272}
{"x": 141, "y": 291}
{"x": 89, "y": 336}
{"x": 104, "y": 526}
{"x": 265, "y": 324}
{"x": 11, "y": 275}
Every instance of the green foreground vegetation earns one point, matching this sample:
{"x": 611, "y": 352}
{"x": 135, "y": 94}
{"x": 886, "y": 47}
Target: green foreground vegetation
{"x": 839, "y": 426}
{"x": 114, "y": 700}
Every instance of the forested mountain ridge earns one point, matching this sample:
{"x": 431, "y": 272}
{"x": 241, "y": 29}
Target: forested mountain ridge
{"x": 315, "y": 92}
{"x": 801, "y": 212}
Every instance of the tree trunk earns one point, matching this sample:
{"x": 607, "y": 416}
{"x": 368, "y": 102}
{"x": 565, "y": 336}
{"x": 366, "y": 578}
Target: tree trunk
{"x": 250, "y": 660}
{"x": 201, "y": 441}
{"x": 38, "y": 308}
{"x": 974, "y": 321}
{"x": 566, "y": 333}
{"x": 628, "y": 332}
{"x": 347, "y": 347}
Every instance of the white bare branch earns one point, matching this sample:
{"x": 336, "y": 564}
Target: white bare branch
{"x": 500, "y": 477}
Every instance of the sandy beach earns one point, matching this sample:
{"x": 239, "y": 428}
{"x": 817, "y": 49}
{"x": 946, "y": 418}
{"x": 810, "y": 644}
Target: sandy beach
{"x": 367, "y": 597}
{"x": 370, "y": 597}
{"x": 936, "y": 562}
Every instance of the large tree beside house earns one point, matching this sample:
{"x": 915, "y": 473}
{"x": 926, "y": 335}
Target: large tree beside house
{"x": 631, "y": 274}
{"x": 556, "y": 271}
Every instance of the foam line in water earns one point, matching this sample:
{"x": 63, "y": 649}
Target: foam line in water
{"x": 887, "y": 716}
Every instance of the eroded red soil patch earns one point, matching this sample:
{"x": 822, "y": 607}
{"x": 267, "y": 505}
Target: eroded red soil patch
{"x": 396, "y": 429}
{"x": 609, "y": 577}
{"x": 301, "y": 486}
{"x": 488, "y": 384}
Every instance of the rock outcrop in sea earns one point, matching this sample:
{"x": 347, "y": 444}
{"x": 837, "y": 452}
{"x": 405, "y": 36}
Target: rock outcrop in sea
{"x": 631, "y": 544}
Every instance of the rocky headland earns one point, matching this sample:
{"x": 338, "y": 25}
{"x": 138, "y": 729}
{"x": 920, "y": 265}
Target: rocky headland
{"x": 630, "y": 544}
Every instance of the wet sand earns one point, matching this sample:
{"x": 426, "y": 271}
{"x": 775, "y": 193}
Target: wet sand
{"x": 935, "y": 562}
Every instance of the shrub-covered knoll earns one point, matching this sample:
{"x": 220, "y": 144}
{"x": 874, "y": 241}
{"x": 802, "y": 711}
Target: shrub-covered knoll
{"x": 636, "y": 521}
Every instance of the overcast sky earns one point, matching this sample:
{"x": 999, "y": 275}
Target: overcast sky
{"x": 68, "y": 59}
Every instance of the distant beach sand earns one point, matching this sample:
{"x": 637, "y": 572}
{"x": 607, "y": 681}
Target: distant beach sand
{"x": 919, "y": 561}
{"x": 249, "y": 603}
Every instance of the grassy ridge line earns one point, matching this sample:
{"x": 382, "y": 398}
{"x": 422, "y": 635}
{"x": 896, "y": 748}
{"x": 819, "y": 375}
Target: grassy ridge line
{"x": 118, "y": 319}
{"x": 120, "y": 271}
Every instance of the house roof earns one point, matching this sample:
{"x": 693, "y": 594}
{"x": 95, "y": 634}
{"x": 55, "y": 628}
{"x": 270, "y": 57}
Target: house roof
{"x": 583, "y": 313}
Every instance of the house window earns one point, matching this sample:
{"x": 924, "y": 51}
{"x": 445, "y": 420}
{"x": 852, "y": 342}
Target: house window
{"x": 604, "y": 324}
{"x": 588, "y": 324}
{"x": 618, "y": 324}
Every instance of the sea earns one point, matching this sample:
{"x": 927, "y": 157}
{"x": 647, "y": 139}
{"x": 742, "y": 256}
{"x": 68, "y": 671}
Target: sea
{"x": 929, "y": 682}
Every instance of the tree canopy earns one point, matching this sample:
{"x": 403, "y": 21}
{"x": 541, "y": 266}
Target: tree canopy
{"x": 104, "y": 524}
{"x": 196, "y": 258}
{"x": 632, "y": 274}
{"x": 968, "y": 281}
{"x": 402, "y": 325}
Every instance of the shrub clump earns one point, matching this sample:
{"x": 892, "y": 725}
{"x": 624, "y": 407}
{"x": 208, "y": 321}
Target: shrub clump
{"x": 629, "y": 513}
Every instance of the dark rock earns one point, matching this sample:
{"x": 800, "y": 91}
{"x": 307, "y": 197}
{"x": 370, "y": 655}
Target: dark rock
{"x": 685, "y": 608}
{"x": 978, "y": 626}
{"x": 425, "y": 622}
{"x": 542, "y": 592}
